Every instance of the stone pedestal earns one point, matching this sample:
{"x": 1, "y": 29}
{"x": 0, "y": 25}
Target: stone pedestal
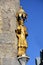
{"x": 23, "y": 59}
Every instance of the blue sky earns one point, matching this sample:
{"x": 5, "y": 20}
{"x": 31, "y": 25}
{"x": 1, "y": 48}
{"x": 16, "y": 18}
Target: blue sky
{"x": 34, "y": 24}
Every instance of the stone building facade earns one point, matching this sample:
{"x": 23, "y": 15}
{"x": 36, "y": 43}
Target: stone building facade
{"x": 8, "y": 39}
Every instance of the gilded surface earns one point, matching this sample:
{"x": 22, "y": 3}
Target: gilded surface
{"x": 21, "y": 32}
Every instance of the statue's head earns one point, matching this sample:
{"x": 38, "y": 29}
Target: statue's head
{"x": 21, "y": 15}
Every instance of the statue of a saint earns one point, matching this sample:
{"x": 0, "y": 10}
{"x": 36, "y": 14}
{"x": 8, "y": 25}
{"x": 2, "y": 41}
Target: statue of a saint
{"x": 21, "y": 32}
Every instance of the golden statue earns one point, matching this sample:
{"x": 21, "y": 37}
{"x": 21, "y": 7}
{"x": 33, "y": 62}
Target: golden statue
{"x": 21, "y": 32}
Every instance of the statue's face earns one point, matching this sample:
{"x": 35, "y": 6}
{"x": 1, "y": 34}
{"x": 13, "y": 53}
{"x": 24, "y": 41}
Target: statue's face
{"x": 21, "y": 17}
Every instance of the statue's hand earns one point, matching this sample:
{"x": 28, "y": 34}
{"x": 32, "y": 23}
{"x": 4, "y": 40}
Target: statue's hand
{"x": 18, "y": 31}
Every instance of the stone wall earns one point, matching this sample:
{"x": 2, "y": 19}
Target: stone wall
{"x": 8, "y": 39}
